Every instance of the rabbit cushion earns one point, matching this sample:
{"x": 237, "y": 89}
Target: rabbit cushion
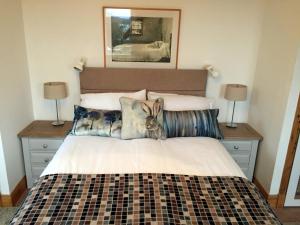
{"x": 142, "y": 119}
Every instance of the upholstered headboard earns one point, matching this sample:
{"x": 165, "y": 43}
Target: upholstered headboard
{"x": 98, "y": 80}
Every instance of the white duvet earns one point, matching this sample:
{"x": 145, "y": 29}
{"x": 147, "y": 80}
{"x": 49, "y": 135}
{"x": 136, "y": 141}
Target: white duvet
{"x": 101, "y": 155}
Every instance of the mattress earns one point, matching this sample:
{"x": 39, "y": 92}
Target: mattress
{"x": 94, "y": 180}
{"x": 200, "y": 156}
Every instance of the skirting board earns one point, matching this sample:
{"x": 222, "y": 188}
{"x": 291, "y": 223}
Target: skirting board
{"x": 16, "y": 196}
{"x": 271, "y": 199}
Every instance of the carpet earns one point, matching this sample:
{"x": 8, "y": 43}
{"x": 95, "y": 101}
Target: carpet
{"x": 6, "y": 214}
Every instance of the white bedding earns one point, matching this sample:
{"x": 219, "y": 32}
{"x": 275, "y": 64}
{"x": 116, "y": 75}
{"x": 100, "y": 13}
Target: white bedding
{"x": 102, "y": 155}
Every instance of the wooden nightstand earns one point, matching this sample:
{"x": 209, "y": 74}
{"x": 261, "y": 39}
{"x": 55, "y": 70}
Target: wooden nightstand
{"x": 242, "y": 144}
{"x": 40, "y": 141}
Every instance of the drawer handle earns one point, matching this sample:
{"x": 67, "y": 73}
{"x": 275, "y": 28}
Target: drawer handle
{"x": 46, "y": 160}
{"x": 45, "y": 146}
{"x": 236, "y": 147}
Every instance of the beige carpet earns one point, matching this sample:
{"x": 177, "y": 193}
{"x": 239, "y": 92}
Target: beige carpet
{"x": 7, "y": 213}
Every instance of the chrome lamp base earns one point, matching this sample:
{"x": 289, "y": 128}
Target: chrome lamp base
{"x": 58, "y": 123}
{"x": 231, "y": 125}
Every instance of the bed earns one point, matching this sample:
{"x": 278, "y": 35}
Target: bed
{"x": 102, "y": 180}
{"x": 151, "y": 52}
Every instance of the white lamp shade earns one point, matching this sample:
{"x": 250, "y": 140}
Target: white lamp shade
{"x": 55, "y": 90}
{"x": 236, "y": 92}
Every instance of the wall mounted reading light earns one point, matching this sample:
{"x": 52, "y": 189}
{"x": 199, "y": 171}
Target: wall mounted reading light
{"x": 80, "y": 65}
{"x": 212, "y": 71}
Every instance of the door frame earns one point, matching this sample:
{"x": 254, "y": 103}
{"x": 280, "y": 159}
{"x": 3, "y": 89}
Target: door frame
{"x": 290, "y": 199}
{"x": 290, "y": 156}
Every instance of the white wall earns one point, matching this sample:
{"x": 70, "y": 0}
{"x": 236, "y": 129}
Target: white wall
{"x": 222, "y": 33}
{"x": 272, "y": 86}
{"x": 15, "y": 98}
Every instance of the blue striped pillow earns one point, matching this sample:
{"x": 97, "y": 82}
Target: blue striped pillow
{"x": 192, "y": 123}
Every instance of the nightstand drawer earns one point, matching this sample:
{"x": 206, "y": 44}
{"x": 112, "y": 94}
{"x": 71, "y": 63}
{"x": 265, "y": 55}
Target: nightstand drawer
{"x": 245, "y": 170}
{"x": 37, "y": 171}
{"x": 39, "y": 143}
{"x": 242, "y": 160}
{"x": 41, "y": 157}
{"x": 238, "y": 145}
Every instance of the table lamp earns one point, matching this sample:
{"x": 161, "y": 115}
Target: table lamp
{"x": 56, "y": 91}
{"x": 235, "y": 92}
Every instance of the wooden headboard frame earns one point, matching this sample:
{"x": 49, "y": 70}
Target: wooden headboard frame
{"x": 99, "y": 80}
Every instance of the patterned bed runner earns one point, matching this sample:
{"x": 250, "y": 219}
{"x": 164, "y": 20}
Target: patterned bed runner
{"x": 143, "y": 199}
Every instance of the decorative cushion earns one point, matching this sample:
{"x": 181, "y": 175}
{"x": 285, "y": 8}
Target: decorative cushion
{"x": 192, "y": 123}
{"x": 142, "y": 119}
{"x": 91, "y": 122}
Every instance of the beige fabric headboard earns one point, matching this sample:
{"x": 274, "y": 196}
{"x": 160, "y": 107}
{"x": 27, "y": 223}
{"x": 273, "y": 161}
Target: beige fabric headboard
{"x": 99, "y": 80}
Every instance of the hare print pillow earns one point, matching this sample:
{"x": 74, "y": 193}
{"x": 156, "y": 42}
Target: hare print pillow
{"x": 142, "y": 119}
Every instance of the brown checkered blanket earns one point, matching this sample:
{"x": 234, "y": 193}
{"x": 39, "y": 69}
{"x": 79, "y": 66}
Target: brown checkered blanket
{"x": 143, "y": 199}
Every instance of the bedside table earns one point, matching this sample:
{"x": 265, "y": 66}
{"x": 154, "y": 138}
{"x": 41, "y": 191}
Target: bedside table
{"x": 242, "y": 144}
{"x": 40, "y": 141}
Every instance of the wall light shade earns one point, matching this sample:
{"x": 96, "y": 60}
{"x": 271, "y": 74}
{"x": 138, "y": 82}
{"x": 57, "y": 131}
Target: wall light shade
{"x": 235, "y": 92}
{"x": 212, "y": 71}
{"x": 80, "y": 65}
{"x": 56, "y": 91}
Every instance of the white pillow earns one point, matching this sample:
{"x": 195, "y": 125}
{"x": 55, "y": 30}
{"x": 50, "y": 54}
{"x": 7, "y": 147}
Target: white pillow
{"x": 108, "y": 101}
{"x": 175, "y": 102}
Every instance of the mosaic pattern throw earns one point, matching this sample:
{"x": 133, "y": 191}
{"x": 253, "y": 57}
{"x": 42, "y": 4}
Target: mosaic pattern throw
{"x": 143, "y": 199}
